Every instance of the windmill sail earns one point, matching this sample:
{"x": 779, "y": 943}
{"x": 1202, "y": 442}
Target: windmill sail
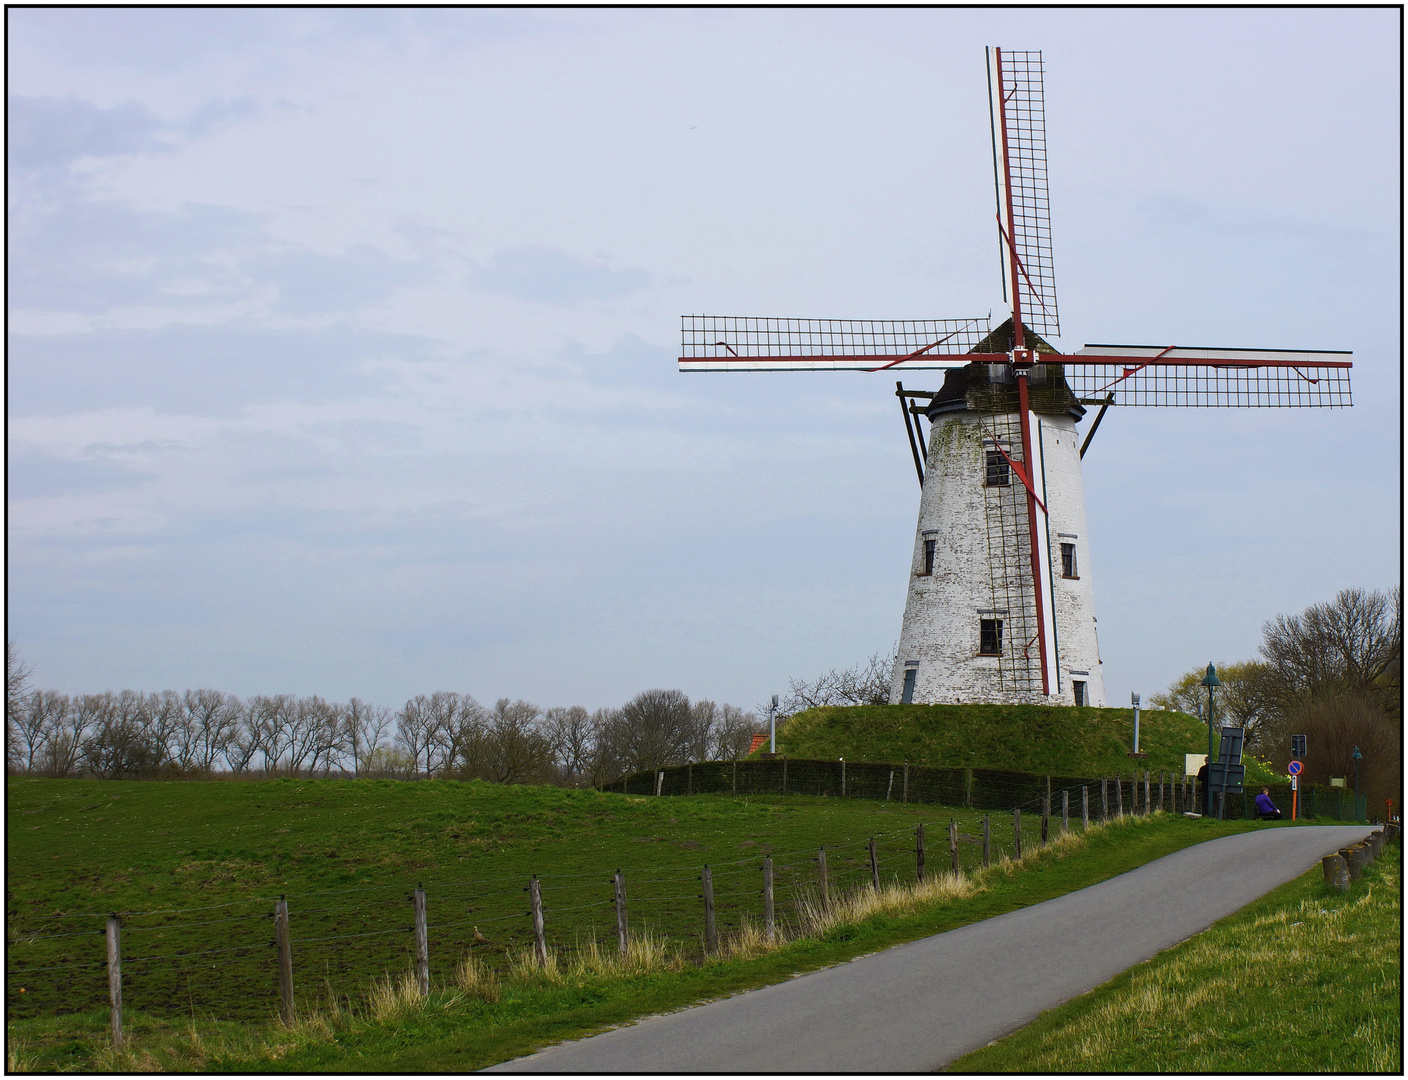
{"x": 1024, "y": 210}
{"x": 1209, "y": 378}
{"x": 736, "y": 343}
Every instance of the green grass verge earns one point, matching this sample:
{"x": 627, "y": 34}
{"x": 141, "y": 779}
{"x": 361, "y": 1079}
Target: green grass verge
{"x": 400, "y": 831}
{"x": 1044, "y": 739}
{"x": 1304, "y": 980}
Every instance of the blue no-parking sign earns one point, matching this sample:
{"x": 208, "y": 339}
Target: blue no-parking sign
{"x": 1294, "y": 768}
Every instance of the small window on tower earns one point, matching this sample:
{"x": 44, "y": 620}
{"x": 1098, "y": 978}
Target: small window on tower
{"x": 990, "y": 637}
{"x": 1068, "y": 561}
{"x": 997, "y": 469}
{"x": 929, "y": 556}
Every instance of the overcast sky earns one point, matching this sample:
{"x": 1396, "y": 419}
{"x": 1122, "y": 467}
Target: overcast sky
{"x": 342, "y": 343}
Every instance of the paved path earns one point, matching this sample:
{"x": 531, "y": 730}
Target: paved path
{"x": 916, "y": 1007}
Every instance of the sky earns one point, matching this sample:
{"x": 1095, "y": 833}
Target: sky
{"x": 341, "y": 344}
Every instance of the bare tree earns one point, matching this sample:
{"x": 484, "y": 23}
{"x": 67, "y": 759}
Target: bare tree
{"x": 212, "y": 718}
{"x": 17, "y": 674}
{"x": 572, "y": 736}
{"x": 33, "y": 722}
{"x": 119, "y": 745}
{"x": 1239, "y": 700}
{"x": 866, "y": 683}
{"x": 272, "y": 718}
{"x": 510, "y": 747}
{"x": 652, "y": 730}
{"x": 364, "y": 730}
{"x": 244, "y": 741}
{"x": 1354, "y": 643}
{"x": 733, "y": 735}
{"x": 413, "y": 732}
{"x": 64, "y": 753}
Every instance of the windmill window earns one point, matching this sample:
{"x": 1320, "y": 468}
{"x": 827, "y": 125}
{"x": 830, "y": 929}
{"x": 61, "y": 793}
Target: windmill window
{"x": 1068, "y": 561}
{"x": 929, "y": 546}
{"x": 1078, "y": 688}
{"x": 998, "y": 472}
{"x": 989, "y": 637}
{"x": 907, "y": 693}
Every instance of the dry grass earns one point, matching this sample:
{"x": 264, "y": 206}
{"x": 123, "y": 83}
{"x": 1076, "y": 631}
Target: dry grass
{"x": 476, "y": 978}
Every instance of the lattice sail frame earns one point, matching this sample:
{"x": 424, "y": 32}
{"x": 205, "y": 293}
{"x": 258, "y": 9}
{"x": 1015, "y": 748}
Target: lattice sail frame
{"x": 735, "y": 343}
{"x": 1146, "y": 375}
{"x": 1017, "y": 91}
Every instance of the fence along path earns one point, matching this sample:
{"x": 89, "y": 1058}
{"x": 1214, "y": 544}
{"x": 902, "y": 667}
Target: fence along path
{"x": 222, "y": 960}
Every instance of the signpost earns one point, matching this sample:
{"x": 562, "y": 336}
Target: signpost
{"x": 1294, "y": 769}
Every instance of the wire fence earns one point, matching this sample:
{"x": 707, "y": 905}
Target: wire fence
{"x": 223, "y": 960}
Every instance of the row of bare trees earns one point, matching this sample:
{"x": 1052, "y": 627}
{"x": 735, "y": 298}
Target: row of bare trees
{"x": 206, "y": 733}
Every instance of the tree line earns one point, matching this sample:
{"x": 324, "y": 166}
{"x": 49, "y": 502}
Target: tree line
{"x": 209, "y": 733}
{"x": 1333, "y": 673}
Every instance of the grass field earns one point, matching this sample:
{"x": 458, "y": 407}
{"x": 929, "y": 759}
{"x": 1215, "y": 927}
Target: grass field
{"x": 347, "y": 855}
{"x": 1304, "y": 980}
{"x": 1042, "y": 739}
{"x": 196, "y": 867}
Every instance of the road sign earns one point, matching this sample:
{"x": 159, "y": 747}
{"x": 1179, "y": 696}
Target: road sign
{"x": 1235, "y": 774}
{"x": 1294, "y": 768}
{"x": 1295, "y": 785}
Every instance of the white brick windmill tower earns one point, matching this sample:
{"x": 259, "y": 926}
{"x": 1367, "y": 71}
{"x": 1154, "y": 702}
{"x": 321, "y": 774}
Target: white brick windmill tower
{"x": 1000, "y": 604}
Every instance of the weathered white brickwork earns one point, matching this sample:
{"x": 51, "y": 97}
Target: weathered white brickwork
{"x": 973, "y": 513}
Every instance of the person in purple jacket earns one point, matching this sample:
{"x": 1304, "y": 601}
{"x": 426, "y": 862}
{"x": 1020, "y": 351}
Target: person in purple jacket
{"x": 1265, "y": 808}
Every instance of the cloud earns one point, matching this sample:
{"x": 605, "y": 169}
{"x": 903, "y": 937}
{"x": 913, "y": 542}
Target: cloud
{"x": 46, "y": 131}
{"x": 30, "y": 476}
{"x": 550, "y": 275}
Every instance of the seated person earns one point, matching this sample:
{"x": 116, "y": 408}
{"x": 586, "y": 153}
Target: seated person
{"x": 1265, "y": 808}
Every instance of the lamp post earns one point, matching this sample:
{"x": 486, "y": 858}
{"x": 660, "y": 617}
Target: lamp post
{"x": 1356, "y": 756}
{"x": 772, "y": 725}
{"x": 1210, "y": 680}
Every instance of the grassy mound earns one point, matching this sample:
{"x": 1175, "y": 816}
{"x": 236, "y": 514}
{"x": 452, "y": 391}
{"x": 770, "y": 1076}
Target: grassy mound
{"x": 1030, "y": 738}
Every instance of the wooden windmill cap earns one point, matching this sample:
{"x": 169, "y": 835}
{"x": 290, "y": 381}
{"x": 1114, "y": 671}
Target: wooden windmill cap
{"x": 989, "y": 388}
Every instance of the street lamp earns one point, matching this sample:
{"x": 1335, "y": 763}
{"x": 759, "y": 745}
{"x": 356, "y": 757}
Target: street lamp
{"x": 1356, "y": 756}
{"x": 1210, "y": 680}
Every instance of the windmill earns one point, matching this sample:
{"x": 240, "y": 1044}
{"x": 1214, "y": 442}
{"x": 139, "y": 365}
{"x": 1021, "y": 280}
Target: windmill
{"x": 1000, "y": 606}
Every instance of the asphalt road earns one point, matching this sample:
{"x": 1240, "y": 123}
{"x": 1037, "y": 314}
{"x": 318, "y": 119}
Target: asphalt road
{"x": 916, "y": 1007}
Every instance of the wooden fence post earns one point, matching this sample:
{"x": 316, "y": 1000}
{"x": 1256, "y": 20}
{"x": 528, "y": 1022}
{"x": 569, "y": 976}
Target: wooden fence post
{"x": 874, "y": 866}
{"x": 1119, "y": 797}
{"x": 905, "y": 797}
{"x": 769, "y": 923}
{"x": 1161, "y": 791}
{"x": 919, "y": 853}
{"x": 1147, "y": 810}
{"x": 1084, "y": 808}
{"x": 987, "y": 839}
{"x": 711, "y": 932}
{"x": 821, "y": 877}
{"x": 953, "y": 845}
{"x": 967, "y": 787}
{"x": 659, "y": 781}
{"x": 620, "y": 882}
{"x": 423, "y": 942}
{"x": 843, "y": 778}
{"x": 1065, "y": 810}
{"x": 1104, "y": 799}
{"x": 735, "y": 777}
{"x": 285, "y": 947}
{"x": 540, "y": 945}
{"x": 784, "y": 774}
{"x": 891, "y": 786}
{"x": 114, "y": 935}
{"x": 1045, "y": 817}
{"x": 1017, "y": 832}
